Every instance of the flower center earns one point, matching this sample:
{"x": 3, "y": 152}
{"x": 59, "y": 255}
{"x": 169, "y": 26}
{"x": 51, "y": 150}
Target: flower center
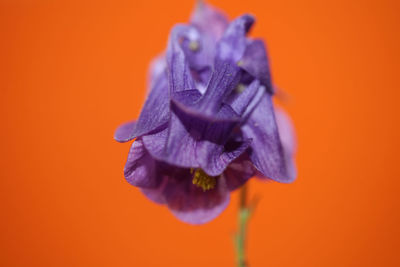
{"x": 203, "y": 180}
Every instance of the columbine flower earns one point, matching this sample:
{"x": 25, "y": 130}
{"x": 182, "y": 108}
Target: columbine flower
{"x": 208, "y": 124}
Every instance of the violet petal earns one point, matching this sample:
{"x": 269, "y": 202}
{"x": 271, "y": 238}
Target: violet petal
{"x": 191, "y": 204}
{"x": 158, "y": 67}
{"x": 211, "y": 24}
{"x": 155, "y": 112}
{"x": 255, "y": 62}
{"x": 226, "y": 74}
{"x": 239, "y": 172}
{"x": 209, "y": 20}
{"x": 156, "y": 194}
{"x": 179, "y": 76}
{"x": 244, "y": 102}
{"x": 124, "y": 131}
{"x": 140, "y": 167}
{"x": 193, "y": 141}
{"x": 223, "y": 80}
{"x": 288, "y": 139}
{"x": 267, "y": 153}
{"x": 233, "y": 43}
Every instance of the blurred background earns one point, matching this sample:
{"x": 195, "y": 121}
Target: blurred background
{"x": 72, "y": 71}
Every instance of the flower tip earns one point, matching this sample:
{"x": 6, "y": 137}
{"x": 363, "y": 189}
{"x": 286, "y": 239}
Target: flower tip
{"x": 249, "y": 20}
{"x": 200, "y": 3}
{"x": 124, "y": 132}
{"x": 199, "y": 6}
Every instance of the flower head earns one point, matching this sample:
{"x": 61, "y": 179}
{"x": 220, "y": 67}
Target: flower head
{"x": 208, "y": 124}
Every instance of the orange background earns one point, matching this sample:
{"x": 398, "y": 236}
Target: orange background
{"x": 72, "y": 71}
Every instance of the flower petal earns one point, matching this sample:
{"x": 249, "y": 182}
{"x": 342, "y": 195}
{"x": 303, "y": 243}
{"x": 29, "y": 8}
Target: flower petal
{"x": 288, "y": 139}
{"x": 186, "y": 201}
{"x": 173, "y": 145}
{"x": 214, "y": 158}
{"x": 199, "y": 51}
{"x": 156, "y": 194}
{"x": 211, "y": 24}
{"x": 155, "y": 112}
{"x": 226, "y": 74}
{"x": 140, "y": 168}
{"x": 239, "y": 172}
{"x": 124, "y": 131}
{"x": 243, "y": 103}
{"x": 158, "y": 66}
{"x": 191, "y": 204}
{"x": 179, "y": 76}
{"x": 256, "y": 63}
{"x": 233, "y": 43}
{"x": 209, "y": 20}
{"x": 266, "y": 150}
{"x": 223, "y": 80}
{"x": 195, "y": 141}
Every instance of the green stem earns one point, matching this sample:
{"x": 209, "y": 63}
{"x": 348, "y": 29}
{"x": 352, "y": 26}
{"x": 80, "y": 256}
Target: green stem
{"x": 240, "y": 237}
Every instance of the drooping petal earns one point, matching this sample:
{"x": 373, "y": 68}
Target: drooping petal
{"x": 214, "y": 158}
{"x": 196, "y": 142}
{"x": 155, "y": 112}
{"x": 191, "y": 204}
{"x": 174, "y": 146}
{"x": 187, "y": 148}
{"x": 140, "y": 168}
{"x": 266, "y": 150}
{"x": 255, "y": 62}
{"x": 124, "y": 131}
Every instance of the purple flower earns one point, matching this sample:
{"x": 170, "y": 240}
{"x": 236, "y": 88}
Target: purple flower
{"x": 208, "y": 124}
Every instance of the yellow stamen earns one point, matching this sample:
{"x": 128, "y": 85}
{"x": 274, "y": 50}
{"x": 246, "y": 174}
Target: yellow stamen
{"x": 240, "y": 88}
{"x": 203, "y": 180}
{"x": 194, "y": 45}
